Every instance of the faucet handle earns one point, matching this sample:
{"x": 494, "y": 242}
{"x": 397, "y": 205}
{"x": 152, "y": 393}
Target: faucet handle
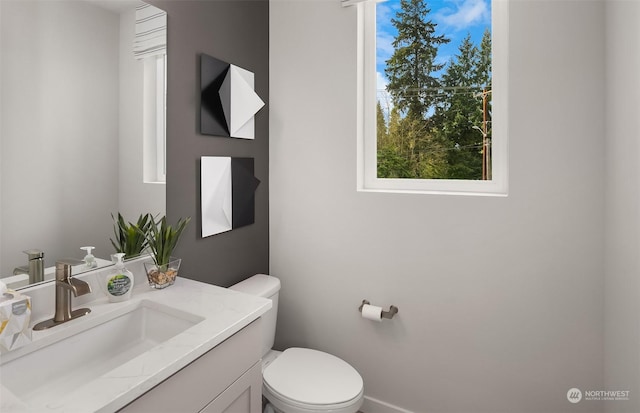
{"x": 63, "y": 268}
{"x": 34, "y": 254}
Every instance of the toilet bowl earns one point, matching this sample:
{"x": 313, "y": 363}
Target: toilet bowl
{"x": 301, "y": 380}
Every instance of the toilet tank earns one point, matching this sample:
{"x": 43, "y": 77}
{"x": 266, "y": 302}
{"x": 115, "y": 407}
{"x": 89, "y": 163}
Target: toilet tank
{"x": 265, "y": 286}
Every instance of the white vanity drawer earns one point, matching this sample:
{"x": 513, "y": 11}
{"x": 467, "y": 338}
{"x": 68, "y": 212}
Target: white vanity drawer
{"x": 243, "y": 396}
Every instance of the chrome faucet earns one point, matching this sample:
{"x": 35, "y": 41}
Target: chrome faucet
{"x": 35, "y": 269}
{"x": 65, "y": 286}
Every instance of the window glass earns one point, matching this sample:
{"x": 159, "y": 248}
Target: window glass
{"x": 434, "y": 99}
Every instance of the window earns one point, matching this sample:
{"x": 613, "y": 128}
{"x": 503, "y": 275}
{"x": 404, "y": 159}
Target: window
{"x": 154, "y": 127}
{"x": 150, "y": 47}
{"x": 432, "y": 115}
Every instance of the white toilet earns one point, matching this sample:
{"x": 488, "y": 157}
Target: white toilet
{"x": 301, "y": 380}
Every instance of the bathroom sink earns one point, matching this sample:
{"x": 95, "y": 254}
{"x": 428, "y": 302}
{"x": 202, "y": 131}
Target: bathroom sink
{"x": 76, "y": 356}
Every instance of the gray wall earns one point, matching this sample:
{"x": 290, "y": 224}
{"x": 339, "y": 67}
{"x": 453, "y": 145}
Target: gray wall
{"x": 501, "y": 302}
{"x": 236, "y": 32}
{"x": 622, "y": 286}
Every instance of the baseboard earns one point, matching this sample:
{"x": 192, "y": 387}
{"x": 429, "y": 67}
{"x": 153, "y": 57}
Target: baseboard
{"x": 372, "y": 405}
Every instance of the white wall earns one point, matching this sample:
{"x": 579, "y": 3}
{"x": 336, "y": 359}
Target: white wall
{"x": 59, "y": 59}
{"x": 1, "y": 145}
{"x": 72, "y": 101}
{"x": 622, "y": 287}
{"x": 501, "y": 304}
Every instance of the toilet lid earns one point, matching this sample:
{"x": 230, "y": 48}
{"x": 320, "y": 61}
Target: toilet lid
{"x": 312, "y": 377}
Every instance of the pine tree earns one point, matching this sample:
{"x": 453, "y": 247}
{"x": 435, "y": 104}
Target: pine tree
{"x": 483, "y": 68}
{"x": 381, "y": 125}
{"x": 462, "y": 70}
{"x": 411, "y": 150}
{"x": 460, "y": 114}
{"x": 393, "y": 154}
{"x": 411, "y": 67}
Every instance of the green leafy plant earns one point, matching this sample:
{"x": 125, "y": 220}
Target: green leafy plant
{"x": 131, "y": 238}
{"x": 162, "y": 239}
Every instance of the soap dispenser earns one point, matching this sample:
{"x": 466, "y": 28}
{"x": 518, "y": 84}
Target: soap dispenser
{"x": 89, "y": 259}
{"x": 119, "y": 282}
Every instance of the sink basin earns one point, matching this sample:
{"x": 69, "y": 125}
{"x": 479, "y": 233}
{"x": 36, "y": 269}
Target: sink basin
{"x": 75, "y": 356}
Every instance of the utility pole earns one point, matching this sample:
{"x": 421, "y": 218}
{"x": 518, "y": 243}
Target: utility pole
{"x": 486, "y": 147}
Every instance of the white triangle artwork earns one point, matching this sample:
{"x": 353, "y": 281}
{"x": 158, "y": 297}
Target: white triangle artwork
{"x": 216, "y": 195}
{"x": 240, "y": 102}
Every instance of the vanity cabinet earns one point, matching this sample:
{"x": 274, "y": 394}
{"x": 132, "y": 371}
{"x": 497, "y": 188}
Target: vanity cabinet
{"x": 228, "y": 378}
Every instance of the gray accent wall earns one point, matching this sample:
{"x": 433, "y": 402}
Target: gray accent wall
{"x": 236, "y": 32}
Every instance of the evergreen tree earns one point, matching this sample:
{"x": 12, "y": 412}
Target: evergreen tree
{"x": 483, "y": 68}
{"x": 460, "y": 114}
{"x": 411, "y": 150}
{"x": 394, "y": 127}
{"x": 461, "y": 71}
{"x": 437, "y": 126}
{"x": 391, "y": 164}
{"x": 381, "y": 125}
{"x": 393, "y": 158}
{"x": 411, "y": 68}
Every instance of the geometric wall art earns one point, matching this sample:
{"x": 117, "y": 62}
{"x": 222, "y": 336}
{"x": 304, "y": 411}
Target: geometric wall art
{"x": 228, "y": 188}
{"x": 228, "y": 101}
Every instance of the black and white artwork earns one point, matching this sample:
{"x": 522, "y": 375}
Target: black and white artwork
{"x": 228, "y": 101}
{"x": 228, "y": 187}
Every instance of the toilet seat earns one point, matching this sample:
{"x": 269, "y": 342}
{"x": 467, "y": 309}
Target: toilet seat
{"x": 304, "y": 380}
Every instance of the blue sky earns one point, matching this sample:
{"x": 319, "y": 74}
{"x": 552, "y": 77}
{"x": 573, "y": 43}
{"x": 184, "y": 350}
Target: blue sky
{"x": 454, "y": 19}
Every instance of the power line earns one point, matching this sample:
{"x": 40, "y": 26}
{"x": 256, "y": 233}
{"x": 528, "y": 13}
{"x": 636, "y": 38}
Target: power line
{"x": 476, "y": 87}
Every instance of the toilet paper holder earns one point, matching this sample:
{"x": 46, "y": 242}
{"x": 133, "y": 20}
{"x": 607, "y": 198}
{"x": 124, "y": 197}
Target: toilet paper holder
{"x": 393, "y": 310}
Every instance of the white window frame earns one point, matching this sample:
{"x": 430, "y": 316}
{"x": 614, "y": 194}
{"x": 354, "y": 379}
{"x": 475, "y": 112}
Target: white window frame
{"x": 154, "y": 119}
{"x": 161, "y": 126}
{"x": 367, "y": 164}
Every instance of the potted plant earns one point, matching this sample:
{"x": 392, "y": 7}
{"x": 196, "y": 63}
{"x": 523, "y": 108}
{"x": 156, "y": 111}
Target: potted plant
{"x": 162, "y": 239}
{"x": 130, "y": 238}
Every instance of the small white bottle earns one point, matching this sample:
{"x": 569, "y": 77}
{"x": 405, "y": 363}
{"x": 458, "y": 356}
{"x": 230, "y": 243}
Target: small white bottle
{"x": 119, "y": 282}
{"x": 89, "y": 259}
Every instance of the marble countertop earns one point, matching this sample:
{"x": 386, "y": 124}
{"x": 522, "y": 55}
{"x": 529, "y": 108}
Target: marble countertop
{"x": 223, "y": 313}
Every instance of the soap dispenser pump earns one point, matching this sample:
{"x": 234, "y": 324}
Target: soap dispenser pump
{"x": 89, "y": 259}
{"x": 119, "y": 282}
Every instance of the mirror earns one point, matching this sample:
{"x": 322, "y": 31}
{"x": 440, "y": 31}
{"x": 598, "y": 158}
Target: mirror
{"x": 81, "y": 128}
